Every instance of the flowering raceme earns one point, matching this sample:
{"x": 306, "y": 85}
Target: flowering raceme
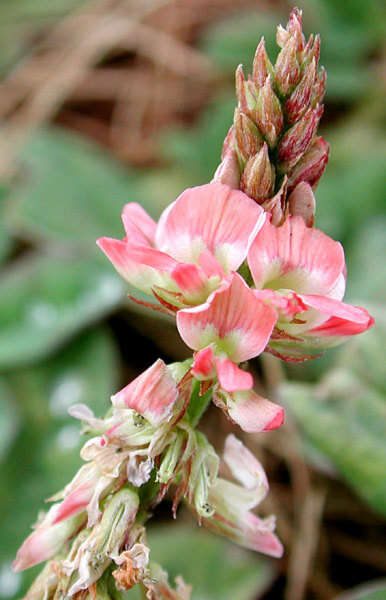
{"x": 240, "y": 266}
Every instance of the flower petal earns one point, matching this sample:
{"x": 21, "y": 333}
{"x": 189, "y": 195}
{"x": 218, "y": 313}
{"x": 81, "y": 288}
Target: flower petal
{"x": 136, "y": 221}
{"x": 231, "y": 377}
{"x": 232, "y": 318}
{"x": 141, "y": 266}
{"x": 152, "y": 394}
{"x": 251, "y": 412}
{"x": 295, "y": 257}
{"x": 343, "y": 319}
{"x": 210, "y": 217}
{"x": 245, "y": 467}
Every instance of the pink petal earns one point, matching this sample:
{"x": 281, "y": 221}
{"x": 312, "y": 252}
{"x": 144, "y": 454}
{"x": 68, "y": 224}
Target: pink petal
{"x": 203, "y": 365}
{"x": 152, "y": 394}
{"x": 141, "y": 266}
{"x": 231, "y": 377}
{"x": 260, "y": 541}
{"x": 75, "y": 502}
{"x": 135, "y": 219}
{"x": 343, "y": 319}
{"x": 189, "y": 278}
{"x": 252, "y": 412}
{"x": 233, "y": 318}
{"x": 295, "y": 257}
{"x": 210, "y": 217}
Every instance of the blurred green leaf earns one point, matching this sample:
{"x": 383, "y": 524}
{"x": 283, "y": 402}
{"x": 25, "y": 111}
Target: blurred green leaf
{"x": 45, "y": 301}
{"x": 72, "y": 190}
{"x": 234, "y": 40}
{"x": 214, "y": 567}
{"x": 373, "y": 590}
{"x": 345, "y": 420}
{"x": 9, "y": 419}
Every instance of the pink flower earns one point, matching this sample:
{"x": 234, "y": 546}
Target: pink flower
{"x": 200, "y": 238}
{"x": 232, "y": 326}
{"x": 302, "y": 273}
{"x": 232, "y": 503}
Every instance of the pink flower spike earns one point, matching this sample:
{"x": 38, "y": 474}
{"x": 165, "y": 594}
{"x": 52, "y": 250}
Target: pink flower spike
{"x": 248, "y": 410}
{"x": 210, "y": 217}
{"x": 135, "y": 218}
{"x": 297, "y": 258}
{"x": 231, "y": 377}
{"x": 152, "y": 394}
{"x": 233, "y": 319}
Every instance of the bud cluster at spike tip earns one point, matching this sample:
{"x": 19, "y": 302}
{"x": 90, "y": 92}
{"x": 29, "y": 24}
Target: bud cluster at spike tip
{"x": 272, "y": 148}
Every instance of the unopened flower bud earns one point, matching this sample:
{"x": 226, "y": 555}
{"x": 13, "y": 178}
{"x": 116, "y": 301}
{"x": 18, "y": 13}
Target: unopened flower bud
{"x": 170, "y": 460}
{"x": 299, "y": 101}
{"x": 247, "y": 136}
{"x": 319, "y": 88}
{"x": 311, "y": 166}
{"x": 298, "y": 138}
{"x": 269, "y": 115}
{"x": 258, "y": 178}
{"x": 301, "y": 202}
{"x": 228, "y": 171}
{"x": 228, "y": 141}
{"x": 276, "y": 205}
{"x": 203, "y": 472}
{"x": 287, "y": 68}
{"x": 262, "y": 66}
{"x": 240, "y": 88}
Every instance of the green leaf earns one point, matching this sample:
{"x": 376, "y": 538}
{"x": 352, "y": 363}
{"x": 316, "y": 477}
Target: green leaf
{"x": 72, "y": 191}
{"x": 213, "y": 566}
{"x": 345, "y": 420}
{"x": 45, "y": 301}
{"x": 373, "y": 590}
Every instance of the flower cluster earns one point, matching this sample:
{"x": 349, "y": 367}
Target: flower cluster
{"x": 239, "y": 266}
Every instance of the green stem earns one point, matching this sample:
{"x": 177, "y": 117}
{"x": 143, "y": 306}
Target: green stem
{"x": 198, "y": 404}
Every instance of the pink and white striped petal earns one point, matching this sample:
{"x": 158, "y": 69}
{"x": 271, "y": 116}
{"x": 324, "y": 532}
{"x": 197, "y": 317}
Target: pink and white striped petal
{"x": 152, "y": 394}
{"x": 251, "y": 412}
{"x": 342, "y": 319}
{"x": 297, "y": 258}
{"x": 233, "y": 319}
{"x": 141, "y": 266}
{"x": 231, "y": 378}
{"x": 135, "y": 219}
{"x": 210, "y": 217}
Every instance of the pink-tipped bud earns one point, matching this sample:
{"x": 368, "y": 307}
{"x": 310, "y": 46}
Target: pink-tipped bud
{"x": 228, "y": 142}
{"x": 258, "y": 178}
{"x": 298, "y": 138}
{"x": 319, "y": 88}
{"x": 228, "y": 171}
{"x": 311, "y": 51}
{"x": 301, "y": 202}
{"x": 294, "y": 27}
{"x": 269, "y": 115}
{"x": 287, "y": 68}
{"x": 247, "y": 136}
{"x": 299, "y": 101}
{"x": 262, "y": 66}
{"x": 311, "y": 166}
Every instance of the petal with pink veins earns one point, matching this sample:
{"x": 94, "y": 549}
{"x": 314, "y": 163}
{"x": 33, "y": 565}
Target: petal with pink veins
{"x": 231, "y": 377}
{"x": 141, "y": 266}
{"x": 233, "y": 319}
{"x": 210, "y": 217}
{"x": 295, "y": 257}
{"x": 152, "y": 394}
{"x": 251, "y": 412}
{"x": 135, "y": 219}
{"x": 341, "y": 319}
